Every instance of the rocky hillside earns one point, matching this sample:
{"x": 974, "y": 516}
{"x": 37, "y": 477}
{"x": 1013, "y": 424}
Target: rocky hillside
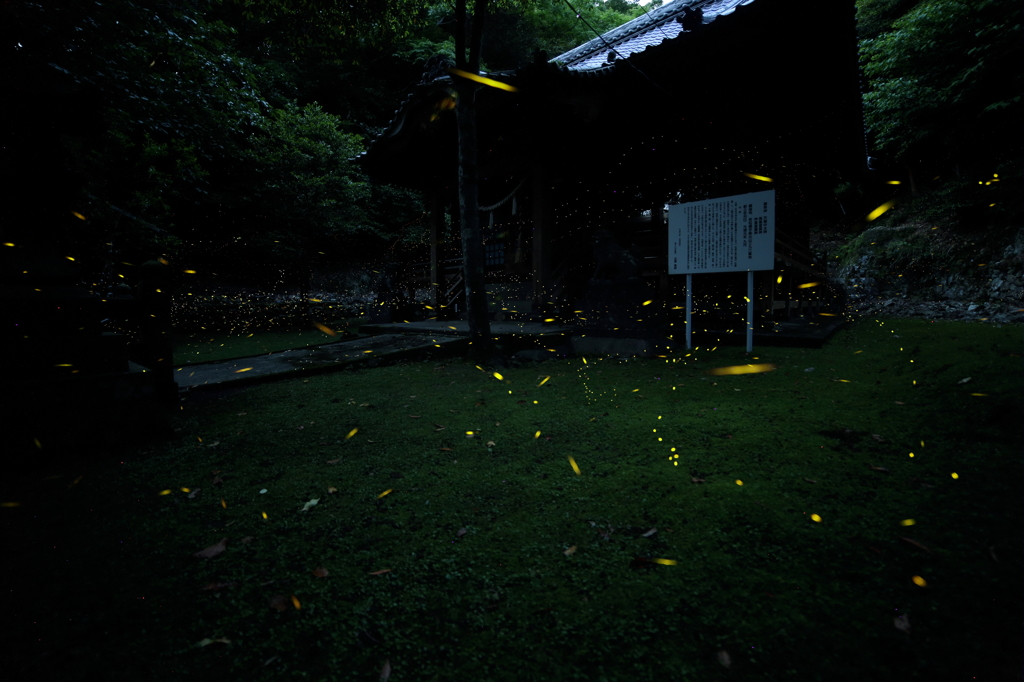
{"x": 925, "y": 270}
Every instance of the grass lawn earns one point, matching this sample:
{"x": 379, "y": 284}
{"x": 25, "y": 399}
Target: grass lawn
{"x": 197, "y": 348}
{"x": 427, "y": 518}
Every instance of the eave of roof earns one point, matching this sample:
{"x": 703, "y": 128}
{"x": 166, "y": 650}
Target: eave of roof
{"x": 649, "y": 30}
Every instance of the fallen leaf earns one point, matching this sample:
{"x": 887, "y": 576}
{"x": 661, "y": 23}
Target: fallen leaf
{"x": 649, "y": 533}
{"x": 491, "y": 443}
{"x": 915, "y": 543}
{"x": 459, "y": 533}
{"x": 570, "y": 551}
{"x": 309, "y": 504}
{"x": 414, "y": 416}
{"x": 694, "y": 479}
{"x": 206, "y": 641}
{"x": 878, "y": 468}
{"x": 385, "y": 671}
{"x": 332, "y": 490}
{"x": 809, "y": 480}
{"x": 380, "y": 572}
{"x": 246, "y": 540}
{"x": 193, "y": 494}
{"x": 334, "y": 461}
{"x": 723, "y": 658}
{"x": 364, "y": 404}
{"x": 212, "y": 550}
{"x": 964, "y": 381}
{"x": 279, "y": 602}
{"x": 217, "y": 479}
{"x": 902, "y": 623}
{"x": 877, "y": 437}
{"x": 241, "y": 413}
{"x": 899, "y": 403}
{"x": 320, "y": 572}
{"x": 445, "y": 449}
{"x": 518, "y": 401}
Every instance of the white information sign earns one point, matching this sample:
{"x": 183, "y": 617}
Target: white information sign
{"x": 728, "y": 234}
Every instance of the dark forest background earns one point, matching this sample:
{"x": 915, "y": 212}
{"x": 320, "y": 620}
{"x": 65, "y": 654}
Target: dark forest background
{"x": 219, "y": 134}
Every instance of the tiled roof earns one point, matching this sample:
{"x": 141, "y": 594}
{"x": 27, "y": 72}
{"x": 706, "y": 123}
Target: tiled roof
{"x": 649, "y": 30}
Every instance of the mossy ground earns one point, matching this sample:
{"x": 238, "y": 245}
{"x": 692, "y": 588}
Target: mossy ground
{"x": 101, "y": 582}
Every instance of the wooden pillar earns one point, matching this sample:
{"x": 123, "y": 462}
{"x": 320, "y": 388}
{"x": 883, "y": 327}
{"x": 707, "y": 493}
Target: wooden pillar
{"x": 659, "y": 228}
{"x": 541, "y": 237}
{"x": 436, "y": 248}
{"x": 157, "y": 351}
{"x": 789, "y": 297}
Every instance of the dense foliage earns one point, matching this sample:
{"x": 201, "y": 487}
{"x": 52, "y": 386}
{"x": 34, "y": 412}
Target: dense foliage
{"x": 944, "y": 94}
{"x": 219, "y": 132}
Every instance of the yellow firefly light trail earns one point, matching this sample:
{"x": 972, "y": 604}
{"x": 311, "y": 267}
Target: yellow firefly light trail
{"x": 385, "y": 493}
{"x": 665, "y": 562}
{"x": 807, "y": 285}
{"x": 574, "y": 467}
{"x": 483, "y": 79}
{"x": 543, "y": 382}
{"x": 742, "y": 369}
{"x": 880, "y": 210}
{"x": 352, "y": 433}
{"x": 762, "y": 178}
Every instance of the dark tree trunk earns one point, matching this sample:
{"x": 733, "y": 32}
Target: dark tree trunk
{"x": 483, "y": 348}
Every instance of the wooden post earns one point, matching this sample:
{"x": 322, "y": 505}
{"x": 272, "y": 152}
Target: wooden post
{"x": 541, "y": 240}
{"x": 436, "y": 248}
{"x": 660, "y": 232}
{"x": 154, "y": 291}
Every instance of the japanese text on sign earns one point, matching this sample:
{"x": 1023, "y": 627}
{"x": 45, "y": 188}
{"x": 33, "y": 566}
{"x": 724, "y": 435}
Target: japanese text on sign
{"x": 728, "y": 234}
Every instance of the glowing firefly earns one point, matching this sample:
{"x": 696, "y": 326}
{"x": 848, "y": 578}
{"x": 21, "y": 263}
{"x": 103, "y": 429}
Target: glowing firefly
{"x": 742, "y": 369}
{"x": 880, "y": 210}
{"x": 483, "y": 79}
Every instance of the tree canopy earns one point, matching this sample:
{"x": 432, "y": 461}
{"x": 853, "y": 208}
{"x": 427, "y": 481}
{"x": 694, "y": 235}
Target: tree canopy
{"x": 226, "y": 126}
{"x": 944, "y": 75}
{"x": 191, "y": 127}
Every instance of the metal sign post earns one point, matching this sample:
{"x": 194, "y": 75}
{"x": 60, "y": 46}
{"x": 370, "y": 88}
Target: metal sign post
{"x": 728, "y": 234}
